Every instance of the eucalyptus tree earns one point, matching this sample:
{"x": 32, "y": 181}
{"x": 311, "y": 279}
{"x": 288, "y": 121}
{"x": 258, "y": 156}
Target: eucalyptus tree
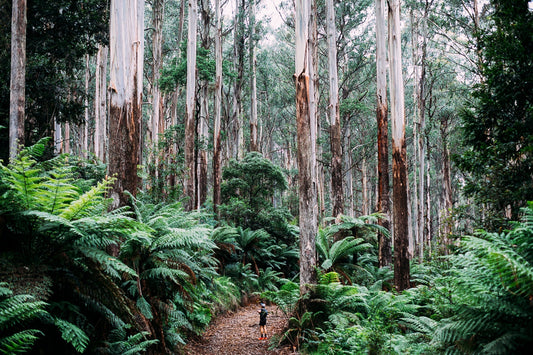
{"x": 190, "y": 124}
{"x": 384, "y": 257}
{"x": 306, "y": 156}
{"x": 399, "y": 161}
{"x": 217, "y": 141}
{"x": 334, "y": 115}
{"x": 125, "y": 107}
{"x": 18, "y": 77}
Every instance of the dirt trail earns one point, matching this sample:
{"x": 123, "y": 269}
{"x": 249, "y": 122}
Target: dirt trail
{"x": 237, "y": 333}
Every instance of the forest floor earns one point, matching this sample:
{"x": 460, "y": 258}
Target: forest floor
{"x": 237, "y": 333}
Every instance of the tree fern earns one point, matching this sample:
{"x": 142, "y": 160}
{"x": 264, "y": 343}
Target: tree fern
{"x": 493, "y": 280}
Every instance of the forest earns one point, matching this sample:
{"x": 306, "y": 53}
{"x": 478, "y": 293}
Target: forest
{"x": 365, "y": 168}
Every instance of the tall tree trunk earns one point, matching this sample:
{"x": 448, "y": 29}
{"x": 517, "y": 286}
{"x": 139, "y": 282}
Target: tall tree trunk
{"x": 17, "y": 90}
{"x": 306, "y": 156}
{"x": 314, "y": 107}
{"x": 348, "y": 158}
{"x": 58, "y": 137}
{"x": 421, "y": 107}
{"x": 399, "y": 161}
{"x": 384, "y": 254}
{"x": 447, "y": 183}
{"x": 238, "y": 65}
{"x": 125, "y": 108}
{"x": 334, "y": 116}
{"x": 157, "y": 121}
{"x": 217, "y": 141}
{"x": 190, "y": 124}
{"x": 100, "y": 104}
{"x": 84, "y": 130}
{"x": 253, "y": 81}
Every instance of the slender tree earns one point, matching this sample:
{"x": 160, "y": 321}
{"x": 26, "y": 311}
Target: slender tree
{"x": 217, "y": 141}
{"x": 399, "y": 156}
{"x": 385, "y": 256}
{"x": 253, "y": 80}
{"x": 126, "y": 43}
{"x": 100, "y": 104}
{"x": 306, "y": 156}
{"x": 334, "y": 115}
{"x": 190, "y": 123}
{"x": 17, "y": 100}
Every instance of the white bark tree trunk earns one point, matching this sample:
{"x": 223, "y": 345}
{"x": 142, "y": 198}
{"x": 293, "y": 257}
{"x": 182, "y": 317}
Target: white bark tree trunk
{"x": 125, "y": 90}
{"x": 190, "y": 124}
{"x": 253, "y": 81}
{"x": 306, "y": 139}
{"x": 399, "y": 165}
{"x": 100, "y": 104}
{"x": 217, "y": 141}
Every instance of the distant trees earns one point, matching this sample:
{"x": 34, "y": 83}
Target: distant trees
{"x": 497, "y": 131}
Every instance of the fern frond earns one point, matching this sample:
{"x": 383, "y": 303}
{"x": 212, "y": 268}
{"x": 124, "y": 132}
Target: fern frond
{"x": 20, "y": 342}
{"x": 72, "y": 334}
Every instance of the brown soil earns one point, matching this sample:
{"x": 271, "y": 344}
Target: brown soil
{"x": 237, "y": 333}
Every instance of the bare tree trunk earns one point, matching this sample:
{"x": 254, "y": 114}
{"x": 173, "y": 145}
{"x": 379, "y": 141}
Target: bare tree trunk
{"x": 421, "y": 106}
{"x": 399, "y": 161}
{"x": 385, "y": 256}
{"x": 58, "y": 142}
{"x": 84, "y": 131}
{"x": 125, "y": 109}
{"x": 238, "y": 65}
{"x": 17, "y": 93}
{"x": 306, "y": 138}
{"x": 349, "y": 173}
{"x": 314, "y": 107}
{"x": 100, "y": 104}
{"x": 253, "y": 81}
{"x": 447, "y": 184}
{"x": 217, "y": 142}
{"x": 66, "y": 128}
{"x": 157, "y": 121}
{"x": 364, "y": 188}
{"x": 190, "y": 124}
{"x": 335, "y": 123}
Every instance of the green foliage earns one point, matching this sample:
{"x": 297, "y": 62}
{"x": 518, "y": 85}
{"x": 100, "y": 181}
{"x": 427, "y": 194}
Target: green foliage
{"x": 55, "y": 227}
{"x": 121, "y": 344}
{"x": 497, "y": 132}
{"x": 16, "y": 311}
{"x": 493, "y": 278}
{"x": 59, "y": 35}
{"x": 343, "y": 245}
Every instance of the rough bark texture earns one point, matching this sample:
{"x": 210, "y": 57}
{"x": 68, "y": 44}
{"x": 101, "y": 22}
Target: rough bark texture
{"x": 399, "y": 162}
{"x": 157, "y": 126}
{"x": 125, "y": 108}
{"x": 334, "y": 115}
{"x": 190, "y": 124}
{"x": 17, "y": 98}
{"x": 385, "y": 253}
{"x": 217, "y": 145}
{"x": 306, "y": 157}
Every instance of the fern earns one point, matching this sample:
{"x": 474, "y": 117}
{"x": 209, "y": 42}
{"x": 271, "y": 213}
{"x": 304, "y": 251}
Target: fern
{"x": 72, "y": 334}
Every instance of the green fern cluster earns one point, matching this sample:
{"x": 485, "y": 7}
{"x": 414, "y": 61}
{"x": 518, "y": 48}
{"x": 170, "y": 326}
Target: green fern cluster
{"x": 493, "y": 278}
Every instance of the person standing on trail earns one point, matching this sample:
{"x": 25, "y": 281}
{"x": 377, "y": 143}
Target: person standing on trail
{"x": 263, "y": 321}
